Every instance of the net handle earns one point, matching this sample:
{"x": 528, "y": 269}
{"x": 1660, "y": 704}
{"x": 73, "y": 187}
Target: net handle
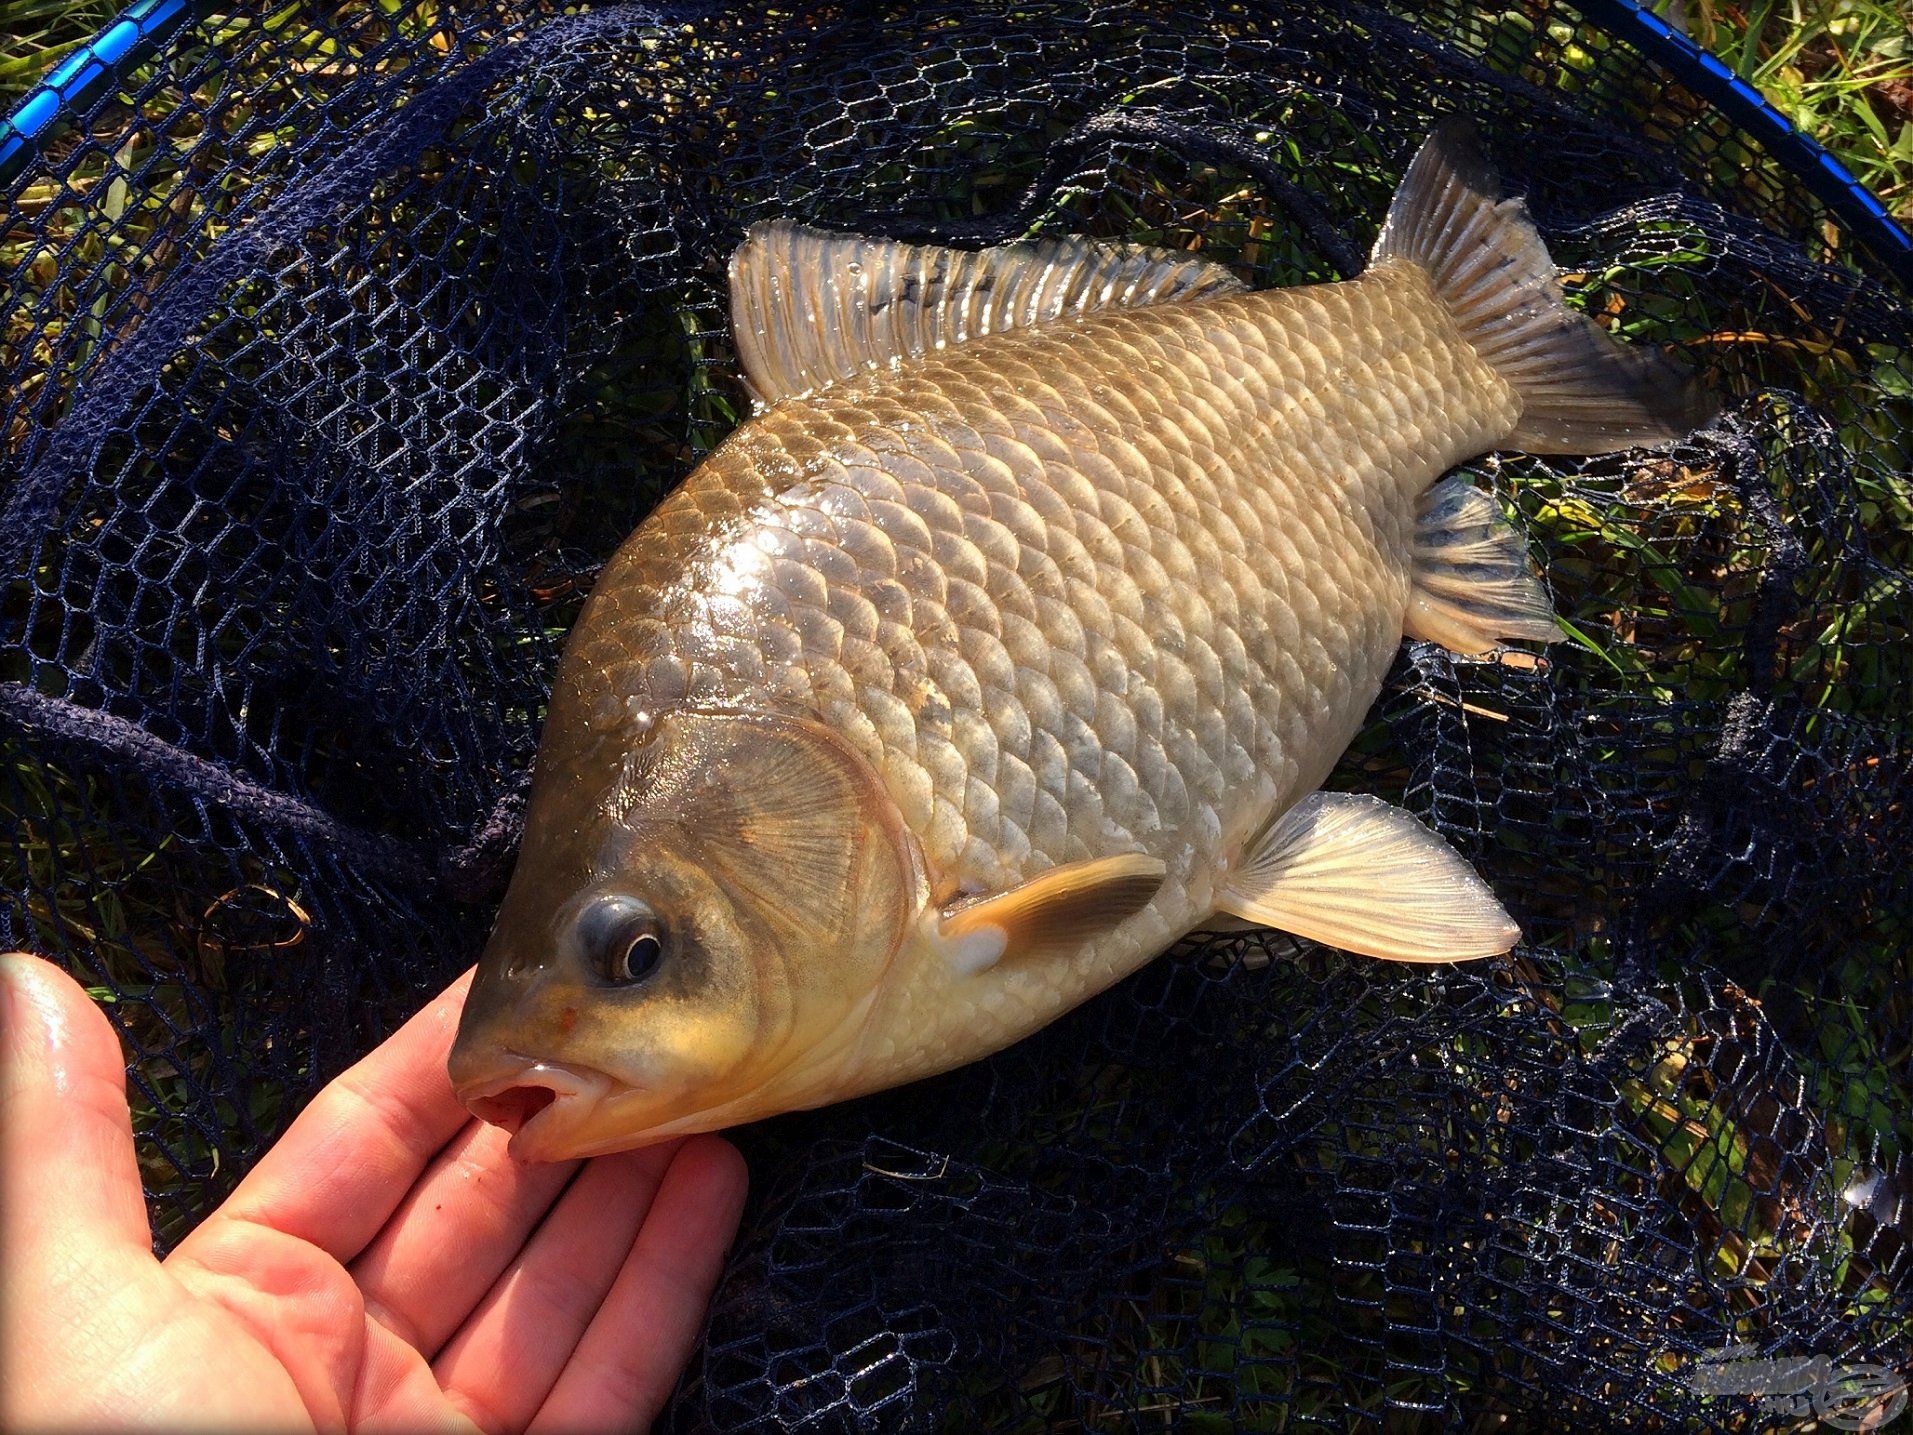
{"x": 1709, "y": 77}
{"x": 90, "y": 72}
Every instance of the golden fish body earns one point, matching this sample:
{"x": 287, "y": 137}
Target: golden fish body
{"x": 1124, "y": 583}
{"x": 1074, "y": 616}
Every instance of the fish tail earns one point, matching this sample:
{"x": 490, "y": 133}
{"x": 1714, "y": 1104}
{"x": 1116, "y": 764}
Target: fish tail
{"x": 1581, "y": 392}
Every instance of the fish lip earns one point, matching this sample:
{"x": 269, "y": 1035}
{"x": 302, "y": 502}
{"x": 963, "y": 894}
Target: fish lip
{"x": 576, "y": 1091}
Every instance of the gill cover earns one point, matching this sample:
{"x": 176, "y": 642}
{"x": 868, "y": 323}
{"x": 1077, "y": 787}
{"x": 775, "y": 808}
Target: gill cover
{"x": 788, "y": 819}
{"x": 792, "y": 880}
{"x": 781, "y": 881}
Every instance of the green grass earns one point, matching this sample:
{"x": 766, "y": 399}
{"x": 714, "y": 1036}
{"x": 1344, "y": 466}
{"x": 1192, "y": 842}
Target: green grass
{"x": 39, "y": 33}
{"x": 1842, "y": 70}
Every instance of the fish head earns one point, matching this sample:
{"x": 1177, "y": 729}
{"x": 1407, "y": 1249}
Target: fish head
{"x": 701, "y": 916}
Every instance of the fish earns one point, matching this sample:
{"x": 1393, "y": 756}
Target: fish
{"x": 1012, "y": 638}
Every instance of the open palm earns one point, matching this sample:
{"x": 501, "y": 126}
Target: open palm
{"x": 385, "y": 1266}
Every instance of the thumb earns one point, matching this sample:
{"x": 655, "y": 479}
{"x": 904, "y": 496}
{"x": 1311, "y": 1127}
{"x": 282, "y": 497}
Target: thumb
{"x": 69, "y": 1184}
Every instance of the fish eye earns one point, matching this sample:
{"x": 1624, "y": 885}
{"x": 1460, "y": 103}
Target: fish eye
{"x": 621, "y": 938}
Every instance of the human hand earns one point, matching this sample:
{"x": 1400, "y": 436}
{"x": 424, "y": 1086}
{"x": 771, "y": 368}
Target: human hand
{"x": 385, "y": 1265}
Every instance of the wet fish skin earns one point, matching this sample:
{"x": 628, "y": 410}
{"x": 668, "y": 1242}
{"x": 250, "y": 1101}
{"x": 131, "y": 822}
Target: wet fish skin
{"x": 1119, "y": 585}
{"x": 1070, "y": 591}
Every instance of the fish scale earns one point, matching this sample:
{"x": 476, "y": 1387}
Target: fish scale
{"x": 1127, "y": 583}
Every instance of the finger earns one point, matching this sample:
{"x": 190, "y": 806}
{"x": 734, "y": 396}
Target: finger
{"x": 454, "y": 1234}
{"x": 67, "y": 1171}
{"x": 627, "y": 1362}
{"x": 344, "y": 1165}
{"x": 504, "y": 1361}
{"x": 73, "y": 1240}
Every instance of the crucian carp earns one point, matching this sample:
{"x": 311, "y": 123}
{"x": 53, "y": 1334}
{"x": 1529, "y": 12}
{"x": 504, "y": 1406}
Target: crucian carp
{"x": 1012, "y": 638}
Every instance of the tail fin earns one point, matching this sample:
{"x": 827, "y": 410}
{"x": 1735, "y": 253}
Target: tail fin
{"x": 1581, "y": 391}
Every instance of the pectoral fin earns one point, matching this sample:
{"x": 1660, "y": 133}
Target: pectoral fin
{"x": 1473, "y": 586}
{"x": 1359, "y": 874}
{"x": 1054, "y": 911}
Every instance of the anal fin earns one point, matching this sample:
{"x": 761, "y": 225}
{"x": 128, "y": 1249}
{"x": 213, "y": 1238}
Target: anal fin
{"x": 1358, "y": 873}
{"x": 1055, "y": 911}
{"x": 1473, "y": 586}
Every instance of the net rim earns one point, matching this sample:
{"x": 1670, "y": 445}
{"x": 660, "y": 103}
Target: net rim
{"x": 97, "y": 68}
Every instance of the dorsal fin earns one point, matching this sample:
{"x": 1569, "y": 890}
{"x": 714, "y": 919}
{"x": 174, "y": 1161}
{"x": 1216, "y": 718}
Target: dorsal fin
{"x": 810, "y": 307}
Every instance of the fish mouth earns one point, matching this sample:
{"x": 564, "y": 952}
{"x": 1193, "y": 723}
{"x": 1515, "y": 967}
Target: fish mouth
{"x": 536, "y": 1102}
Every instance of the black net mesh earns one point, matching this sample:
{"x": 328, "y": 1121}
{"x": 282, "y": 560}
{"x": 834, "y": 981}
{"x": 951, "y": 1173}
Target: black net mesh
{"x": 340, "y": 352}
